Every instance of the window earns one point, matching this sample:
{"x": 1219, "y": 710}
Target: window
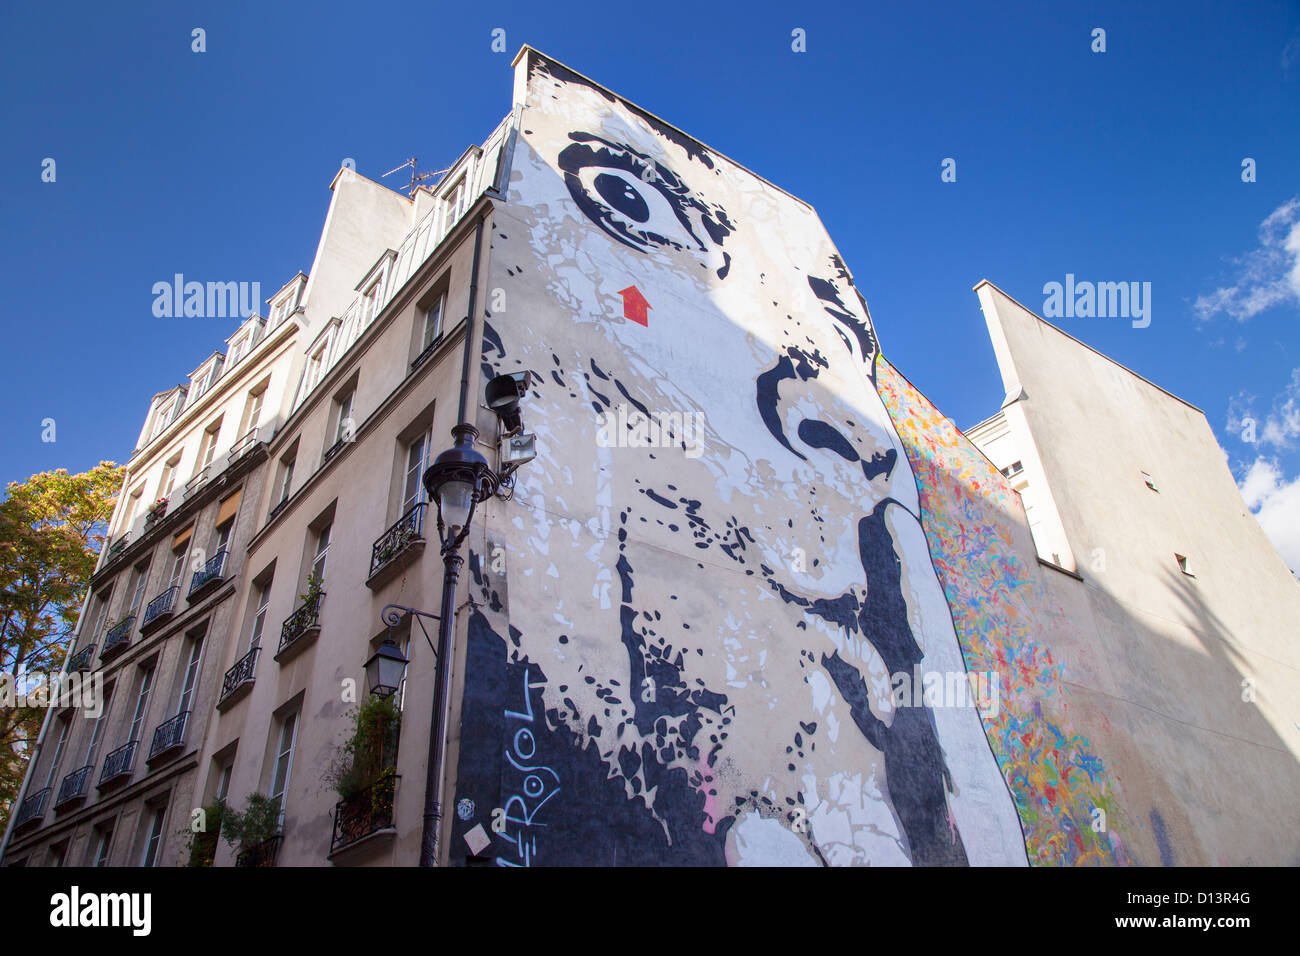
{"x": 178, "y": 565}
{"x": 132, "y": 505}
{"x": 417, "y": 461}
{"x": 154, "y": 840}
{"x": 103, "y": 838}
{"x": 456, "y": 201}
{"x": 208, "y": 446}
{"x": 370, "y": 302}
{"x": 168, "y": 481}
{"x": 284, "y": 760}
{"x": 222, "y": 537}
{"x": 223, "y": 781}
{"x": 163, "y": 416}
{"x": 101, "y": 616}
{"x": 322, "y": 552}
{"x": 191, "y": 675}
{"x": 139, "y": 580}
{"x": 286, "y": 480}
{"x": 59, "y": 853}
{"x": 344, "y": 427}
{"x": 97, "y": 732}
{"x": 259, "y": 615}
{"x": 141, "y": 703}
{"x": 433, "y": 323}
{"x": 236, "y": 351}
{"x": 64, "y": 726}
{"x": 252, "y": 412}
{"x": 1149, "y": 481}
{"x": 1012, "y": 469}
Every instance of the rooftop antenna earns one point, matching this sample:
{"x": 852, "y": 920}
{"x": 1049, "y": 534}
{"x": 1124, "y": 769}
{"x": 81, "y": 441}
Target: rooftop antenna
{"x": 416, "y": 178}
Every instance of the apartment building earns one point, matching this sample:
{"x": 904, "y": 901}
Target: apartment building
{"x": 725, "y": 616}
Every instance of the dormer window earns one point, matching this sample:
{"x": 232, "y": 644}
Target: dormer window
{"x": 456, "y": 201}
{"x": 236, "y": 351}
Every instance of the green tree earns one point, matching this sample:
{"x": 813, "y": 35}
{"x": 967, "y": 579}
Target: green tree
{"x": 51, "y": 531}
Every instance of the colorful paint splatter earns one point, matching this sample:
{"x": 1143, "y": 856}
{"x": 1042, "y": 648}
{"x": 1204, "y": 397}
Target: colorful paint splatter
{"x": 995, "y": 594}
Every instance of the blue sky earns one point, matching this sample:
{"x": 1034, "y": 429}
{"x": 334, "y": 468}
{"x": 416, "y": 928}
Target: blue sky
{"x": 1115, "y": 166}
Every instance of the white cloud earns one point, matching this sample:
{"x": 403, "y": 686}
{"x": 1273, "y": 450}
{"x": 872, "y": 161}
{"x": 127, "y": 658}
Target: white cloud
{"x": 1265, "y": 277}
{"x": 1279, "y": 428}
{"x": 1275, "y": 502}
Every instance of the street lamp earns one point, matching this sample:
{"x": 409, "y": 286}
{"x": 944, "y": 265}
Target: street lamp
{"x": 384, "y": 670}
{"x": 457, "y": 481}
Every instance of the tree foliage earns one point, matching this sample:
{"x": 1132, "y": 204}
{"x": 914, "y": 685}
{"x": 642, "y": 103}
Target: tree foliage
{"x": 51, "y": 532}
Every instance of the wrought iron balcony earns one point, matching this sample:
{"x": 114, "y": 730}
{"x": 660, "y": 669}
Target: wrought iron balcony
{"x": 168, "y": 738}
{"x": 301, "y": 623}
{"x": 117, "y": 638}
{"x": 283, "y": 503}
{"x": 160, "y": 608}
{"x": 117, "y": 765}
{"x": 238, "y": 679}
{"x": 365, "y": 813}
{"x": 74, "y": 786}
{"x": 33, "y": 808}
{"x": 157, "y": 511}
{"x": 406, "y": 532}
{"x": 195, "y": 483}
{"x": 428, "y": 350}
{"x": 81, "y": 660}
{"x": 334, "y": 449}
{"x": 262, "y": 854}
{"x": 245, "y": 444}
{"x": 208, "y": 575}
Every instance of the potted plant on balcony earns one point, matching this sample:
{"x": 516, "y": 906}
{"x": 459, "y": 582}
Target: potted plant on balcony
{"x": 255, "y": 825}
{"x": 155, "y": 512}
{"x": 363, "y": 770}
{"x": 312, "y": 594}
{"x": 201, "y": 844}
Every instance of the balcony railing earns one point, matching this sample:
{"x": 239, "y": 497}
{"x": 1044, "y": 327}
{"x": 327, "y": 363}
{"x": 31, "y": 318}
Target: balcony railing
{"x": 280, "y": 506}
{"x": 428, "y": 350}
{"x": 169, "y": 736}
{"x": 208, "y": 574}
{"x": 117, "y": 764}
{"x": 262, "y": 854}
{"x": 406, "y": 531}
{"x": 240, "y": 675}
{"x": 195, "y": 483}
{"x": 301, "y": 621}
{"x": 81, "y": 660}
{"x": 160, "y": 608}
{"x": 33, "y": 808}
{"x": 245, "y": 444}
{"x": 74, "y": 785}
{"x": 334, "y": 449}
{"x": 117, "y": 638}
{"x": 365, "y": 813}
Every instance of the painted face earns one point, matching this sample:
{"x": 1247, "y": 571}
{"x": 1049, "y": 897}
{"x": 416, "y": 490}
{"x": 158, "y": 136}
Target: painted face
{"x": 709, "y": 635}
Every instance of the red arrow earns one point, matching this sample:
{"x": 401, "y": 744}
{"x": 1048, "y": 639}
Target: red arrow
{"x": 635, "y": 305}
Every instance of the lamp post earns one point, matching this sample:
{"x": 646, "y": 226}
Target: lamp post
{"x": 457, "y": 481}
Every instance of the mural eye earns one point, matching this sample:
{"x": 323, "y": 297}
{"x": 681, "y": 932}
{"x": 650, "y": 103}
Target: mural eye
{"x": 636, "y": 210}
{"x": 622, "y": 197}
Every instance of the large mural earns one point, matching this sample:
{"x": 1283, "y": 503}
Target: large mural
{"x": 709, "y": 628}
